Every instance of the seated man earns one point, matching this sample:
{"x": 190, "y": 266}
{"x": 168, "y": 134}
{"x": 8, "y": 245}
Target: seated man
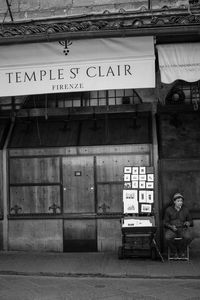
{"x": 177, "y": 221}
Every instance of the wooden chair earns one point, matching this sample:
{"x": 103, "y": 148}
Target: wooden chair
{"x": 187, "y": 252}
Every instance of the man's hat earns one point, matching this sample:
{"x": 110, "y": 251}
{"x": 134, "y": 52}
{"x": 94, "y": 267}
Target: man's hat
{"x": 177, "y": 195}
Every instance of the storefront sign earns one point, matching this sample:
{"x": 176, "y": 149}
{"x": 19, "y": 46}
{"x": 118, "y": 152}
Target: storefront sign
{"x": 77, "y": 66}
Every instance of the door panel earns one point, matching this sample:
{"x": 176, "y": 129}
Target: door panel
{"x": 78, "y": 185}
{"x": 78, "y": 198}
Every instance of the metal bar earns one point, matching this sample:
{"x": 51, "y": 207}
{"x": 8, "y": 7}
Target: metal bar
{"x": 9, "y": 10}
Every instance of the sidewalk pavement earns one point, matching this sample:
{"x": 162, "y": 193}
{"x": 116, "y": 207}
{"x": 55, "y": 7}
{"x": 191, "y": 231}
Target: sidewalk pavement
{"x": 95, "y": 265}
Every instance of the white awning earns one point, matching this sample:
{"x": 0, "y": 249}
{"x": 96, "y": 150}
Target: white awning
{"x": 79, "y": 65}
{"x": 179, "y": 61}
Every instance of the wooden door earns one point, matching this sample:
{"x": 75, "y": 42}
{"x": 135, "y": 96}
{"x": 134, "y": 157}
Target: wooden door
{"x": 79, "y": 204}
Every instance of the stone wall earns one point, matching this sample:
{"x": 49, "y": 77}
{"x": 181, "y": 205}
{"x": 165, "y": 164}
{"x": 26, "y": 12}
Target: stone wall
{"x": 39, "y": 9}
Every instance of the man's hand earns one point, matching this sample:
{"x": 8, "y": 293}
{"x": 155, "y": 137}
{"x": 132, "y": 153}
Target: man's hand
{"x": 187, "y": 224}
{"x": 173, "y": 228}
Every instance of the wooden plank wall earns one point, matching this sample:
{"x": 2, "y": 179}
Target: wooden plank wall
{"x": 47, "y": 176}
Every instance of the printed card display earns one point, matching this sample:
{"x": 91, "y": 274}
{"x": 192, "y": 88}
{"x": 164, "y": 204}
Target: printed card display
{"x": 134, "y": 177}
{"x": 130, "y": 199}
{"x": 142, "y": 184}
{"x": 142, "y": 196}
{"x": 149, "y": 197}
{"x": 127, "y": 177}
{"x": 149, "y": 185}
{"x": 127, "y": 169}
{"x": 142, "y": 177}
{"x": 135, "y": 170}
{"x": 142, "y": 170}
{"x": 146, "y": 208}
{"x": 135, "y": 184}
{"x": 138, "y": 192}
{"x": 150, "y": 177}
{"x": 127, "y": 185}
{"x": 130, "y": 194}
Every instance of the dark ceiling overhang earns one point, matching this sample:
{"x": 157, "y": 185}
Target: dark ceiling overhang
{"x": 178, "y": 25}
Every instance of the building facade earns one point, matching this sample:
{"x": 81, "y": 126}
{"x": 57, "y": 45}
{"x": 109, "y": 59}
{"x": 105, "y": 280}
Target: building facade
{"x": 87, "y": 89}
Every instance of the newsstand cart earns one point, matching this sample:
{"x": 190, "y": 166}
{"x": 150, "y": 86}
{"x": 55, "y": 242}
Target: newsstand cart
{"x": 138, "y": 224}
{"x": 139, "y": 240}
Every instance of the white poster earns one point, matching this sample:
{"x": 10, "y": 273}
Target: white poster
{"x": 130, "y": 200}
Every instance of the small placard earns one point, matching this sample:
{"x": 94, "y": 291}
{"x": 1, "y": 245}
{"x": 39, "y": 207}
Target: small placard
{"x": 134, "y": 177}
{"x": 142, "y": 170}
{"x": 146, "y": 208}
{"x": 127, "y": 185}
{"x": 149, "y": 197}
{"x": 150, "y": 177}
{"x": 77, "y": 173}
{"x": 142, "y": 177}
{"x": 142, "y": 196}
{"x": 149, "y": 185}
{"x": 135, "y": 184}
{"x": 127, "y": 177}
{"x": 142, "y": 184}
{"x": 127, "y": 169}
{"x": 135, "y": 170}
